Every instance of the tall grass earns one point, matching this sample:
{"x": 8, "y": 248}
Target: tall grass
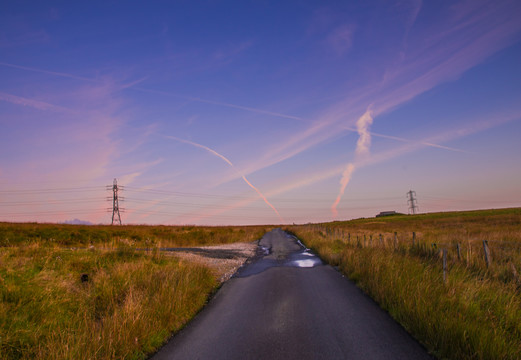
{"x": 13, "y": 234}
{"x": 474, "y": 314}
{"x": 127, "y": 308}
{"x": 130, "y": 303}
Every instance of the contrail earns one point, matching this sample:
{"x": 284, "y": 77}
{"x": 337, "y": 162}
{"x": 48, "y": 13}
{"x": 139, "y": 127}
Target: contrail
{"x": 55, "y": 73}
{"x": 452, "y": 134}
{"x": 362, "y": 125}
{"x": 218, "y": 103}
{"x": 404, "y": 140}
{"x": 346, "y": 177}
{"x": 132, "y": 86}
{"x": 233, "y": 166}
{"x": 164, "y": 93}
{"x": 362, "y": 148}
{"x": 40, "y": 105}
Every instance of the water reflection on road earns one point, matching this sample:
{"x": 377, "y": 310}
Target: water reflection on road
{"x": 302, "y": 258}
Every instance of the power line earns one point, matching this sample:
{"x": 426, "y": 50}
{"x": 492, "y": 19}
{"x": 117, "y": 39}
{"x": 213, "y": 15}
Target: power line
{"x": 50, "y": 202}
{"x": 51, "y": 190}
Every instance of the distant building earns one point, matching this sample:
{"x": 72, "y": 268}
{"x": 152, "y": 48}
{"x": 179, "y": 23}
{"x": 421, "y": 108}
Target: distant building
{"x": 387, "y": 213}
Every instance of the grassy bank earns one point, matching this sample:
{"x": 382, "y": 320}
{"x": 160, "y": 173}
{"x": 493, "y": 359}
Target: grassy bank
{"x": 108, "y": 301}
{"x": 470, "y": 311}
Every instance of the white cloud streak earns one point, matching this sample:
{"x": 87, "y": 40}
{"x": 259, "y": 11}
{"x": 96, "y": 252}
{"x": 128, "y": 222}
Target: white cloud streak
{"x": 306, "y": 179}
{"x": 362, "y": 149}
{"x": 261, "y": 195}
{"x": 36, "y": 104}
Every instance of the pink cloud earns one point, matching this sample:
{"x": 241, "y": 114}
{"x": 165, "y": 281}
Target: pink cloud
{"x": 340, "y": 39}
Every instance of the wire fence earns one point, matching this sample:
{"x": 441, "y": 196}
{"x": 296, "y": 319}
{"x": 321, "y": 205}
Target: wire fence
{"x": 498, "y": 257}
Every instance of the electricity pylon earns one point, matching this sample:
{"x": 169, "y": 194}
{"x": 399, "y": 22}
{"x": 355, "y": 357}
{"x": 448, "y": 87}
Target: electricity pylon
{"x": 411, "y": 201}
{"x": 115, "y": 203}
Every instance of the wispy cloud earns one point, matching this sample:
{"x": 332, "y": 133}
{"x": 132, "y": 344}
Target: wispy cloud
{"x": 346, "y": 178}
{"x": 40, "y": 105}
{"x": 341, "y": 38}
{"x": 128, "y": 179}
{"x": 219, "y": 103}
{"x": 303, "y": 179}
{"x": 362, "y": 149}
{"x": 429, "y": 144}
{"x": 73, "y": 144}
{"x": 423, "y": 67}
{"x": 362, "y": 126}
{"x": 233, "y": 166}
{"x": 226, "y": 54}
{"x": 441, "y": 52}
{"x": 20, "y": 35}
{"x": 132, "y": 86}
{"x": 42, "y": 71}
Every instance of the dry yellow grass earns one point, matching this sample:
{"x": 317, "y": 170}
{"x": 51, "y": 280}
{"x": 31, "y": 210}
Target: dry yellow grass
{"x": 132, "y": 302}
{"x": 129, "y": 306}
{"x": 474, "y": 314}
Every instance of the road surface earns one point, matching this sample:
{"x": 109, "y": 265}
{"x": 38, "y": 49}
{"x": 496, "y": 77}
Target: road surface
{"x": 289, "y": 305}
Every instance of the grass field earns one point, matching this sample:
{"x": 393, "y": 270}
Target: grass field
{"x": 137, "y": 236}
{"x": 134, "y": 300}
{"x": 472, "y": 311}
{"x": 130, "y": 303}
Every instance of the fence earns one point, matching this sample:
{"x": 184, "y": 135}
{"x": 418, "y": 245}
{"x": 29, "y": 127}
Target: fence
{"x": 477, "y": 254}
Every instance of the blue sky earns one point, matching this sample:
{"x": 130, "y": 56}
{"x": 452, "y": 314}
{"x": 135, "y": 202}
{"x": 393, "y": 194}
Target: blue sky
{"x": 257, "y": 112}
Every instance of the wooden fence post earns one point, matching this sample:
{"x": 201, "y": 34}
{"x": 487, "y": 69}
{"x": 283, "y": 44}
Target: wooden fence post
{"x": 413, "y": 238}
{"x": 488, "y": 259}
{"x": 459, "y": 251}
{"x": 395, "y": 239}
{"x": 381, "y": 240}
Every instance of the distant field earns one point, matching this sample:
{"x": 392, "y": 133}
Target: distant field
{"x": 472, "y": 310}
{"x": 85, "y": 292}
{"x": 137, "y": 236}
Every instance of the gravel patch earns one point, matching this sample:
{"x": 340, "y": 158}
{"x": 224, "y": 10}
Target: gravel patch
{"x": 223, "y": 260}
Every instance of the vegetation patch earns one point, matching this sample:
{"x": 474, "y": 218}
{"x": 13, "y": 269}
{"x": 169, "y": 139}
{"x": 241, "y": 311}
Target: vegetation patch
{"x": 138, "y": 236}
{"x": 466, "y": 309}
{"x": 107, "y": 300}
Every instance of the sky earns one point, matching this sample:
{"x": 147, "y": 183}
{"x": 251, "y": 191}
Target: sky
{"x": 257, "y": 112}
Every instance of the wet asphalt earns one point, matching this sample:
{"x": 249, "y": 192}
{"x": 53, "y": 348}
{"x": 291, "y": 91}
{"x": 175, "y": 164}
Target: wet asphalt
{"x": 289, "y": 305}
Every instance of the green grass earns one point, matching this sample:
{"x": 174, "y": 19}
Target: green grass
{"x": 475, "y": 314}
{"x": 131, "y": 304}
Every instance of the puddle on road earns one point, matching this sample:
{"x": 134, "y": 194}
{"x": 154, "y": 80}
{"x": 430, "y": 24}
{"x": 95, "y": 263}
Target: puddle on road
{"x": 301, "y": 259}
{"x": 264, "y": 250}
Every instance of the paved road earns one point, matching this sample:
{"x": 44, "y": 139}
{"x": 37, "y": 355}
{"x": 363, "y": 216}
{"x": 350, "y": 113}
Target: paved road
{"x": 289, "y": 305}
